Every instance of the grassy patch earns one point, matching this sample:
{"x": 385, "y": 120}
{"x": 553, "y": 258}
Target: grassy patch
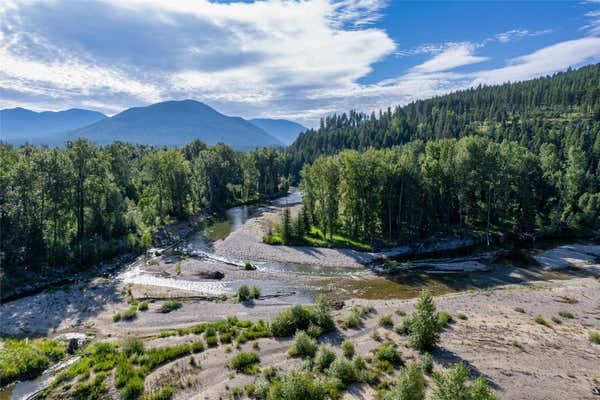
{"x": 594, "y": 337}
{"x": 566, "y": 314}
{"x": 540, "y": 320}
{"x": 26, "y": 359}
{"x": 245, "y": 362}
{"x": 301, "y": 317}
{"x": 170, "y": 305}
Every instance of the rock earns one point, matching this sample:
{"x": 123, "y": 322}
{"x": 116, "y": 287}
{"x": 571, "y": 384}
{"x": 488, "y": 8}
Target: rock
{"x": 218, "y": 275}
{"x": 336, "y": 304}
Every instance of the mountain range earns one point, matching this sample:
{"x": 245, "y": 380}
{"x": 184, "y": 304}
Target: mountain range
{"x": 169, "y": 123}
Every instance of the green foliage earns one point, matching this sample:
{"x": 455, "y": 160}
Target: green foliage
{"x": 243, "y": 293}
{"x": 301, "y": 317}
{"x": 26, "y": 359}
{"x": 116, "y": 317}
{"x": 164, "y": 393}
{"x": 91, "y": 390}
{"x": 297, "y": 385}
{"x": 385, "y": 321}
{"x": 170, "y": 305}
{"x": 409, "y": 386}
{"x": 427, "y": 363}
{"x": 462, "y": 316}
{"x": 566, "y": 314}
{"x": 304, "y": 345}
{"x": 540, "y": 320}
{"x": 453, "y": 385}
{"x": 246, "y": 362}
{"x": 424, "y": 326}
{"x": 594, "y": 337}
{"x": 348, "y": 349}
{"x": 353, "y": 318}
{"x": 133, "y": 346}
{"x": 129, "y": 314}
{"x": 387, "y": 357}
{"x": 249, "y": 266}
{"x": 343, "y": 369}
{"x": 143, "y": 306}
{"x": 444, "y": 318}
{"x": 324, "y": 357}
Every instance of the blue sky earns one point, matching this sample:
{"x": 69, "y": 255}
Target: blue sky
{"x": 277, "y": 58}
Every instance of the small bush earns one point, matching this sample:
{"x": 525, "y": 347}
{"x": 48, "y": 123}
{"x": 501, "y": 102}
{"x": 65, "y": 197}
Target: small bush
{"x": 556, "y": 320}
{"x": 401, "y": 313}
{"x": 453, "y": 384}
{"x": 301, "y": 317}
{"x": 304, "y": 345}
{"x": 540, "y": 320}
{"x": 594, "y": 337}
{"x": 324, "y": 357}
{"x": 255, "y": 292}
{"x": 376, "y": 336}
{"x": 165, "y": 393}
{"x": 343, "y": 370}
{"x": 143, "y": 306}
{"x": 130, "y": 313}
{"x": 92, "y": 390}
{"x": 133, "y": 388}
{"x": 297, "y": 385}
{"x": 249, "y": 266}
{"x": 133, "y": 346}
{"x": 348, "y": 349}
{"x": 385, "y": 321}
{"x": 519, "y": 310}
{"x": 170, "y": 305}
{"x": 444, "y": 318}
{"x": 387, "y": 357}
{"x": 427, "y": 363}
{"x": 245, "y": 362}
{"x": 462, "y": 316}
{"x": 243, "y": 294}
{"x": 403, "y": 326}
{"x": 211, "y": 341}
{"x": 424, "y": 326}
{"x": 116, "y": 317}
{"x": 409, "y": 386}
{"x": 352, "y": 320}
{"x": 566, "y": 314}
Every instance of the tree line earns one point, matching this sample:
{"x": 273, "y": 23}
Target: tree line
{"x": 86, "y": 203}
{"x": 473, "y": 183}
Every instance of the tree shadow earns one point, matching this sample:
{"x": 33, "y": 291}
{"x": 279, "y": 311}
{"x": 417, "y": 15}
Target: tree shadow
{"x": 448, "y": 358}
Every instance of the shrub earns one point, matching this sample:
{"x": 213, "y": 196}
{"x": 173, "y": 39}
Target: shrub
{"x": 453, "y": 385}
{"x": 130, "y": 313}
{"x": 211, "y": 341}
{"x": 352, "y": 320}
{"x": 376, "y": 336}
{"x": 444, "y": 318}
{"x": 26, "y": 359}
{"x": 301, "y": 317}
{"x": 566, "y": 314}
{"x": 261, "y": 389}
{"x": 348, "y": 349}
{"x": 170, "y": 305}
{"x": 91, "y": 390}
{"x": 427, "y": 363}
{"x": 594, "y": 337}
{"x": 143, "y": 306}
{"x": 246, "y": 362}
{"x": 324, "y": 357}
{"x": 462, "y": 316}
{"x": 556, "y": 320}
{"x": 249, "y": 266}
{"x": 387, "y": 356}
{"x": 403, "y": 326}
{"x": 243, "y": 294}
{"x": 409, "y": 386}
{"x": 255, "y": 292}
{"x": 343, "y": 369}
{"x": 520, "y": 310}
{"x": 540, "y": 320}
{"x": 304, "y": 345}
{"x": 164, "y": 393}
{"x": 133, "y": 388}
{"x": 385, "y": 321}
{"x": 116, "y": 317}
{"x": 297, "y": 385}
{"x": 424, "y": 326}
{"x": 401, "y": 313}
{"x": 133, "y": 346}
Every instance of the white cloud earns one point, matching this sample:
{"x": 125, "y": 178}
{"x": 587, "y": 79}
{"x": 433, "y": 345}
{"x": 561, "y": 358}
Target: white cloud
{"x": 454, "y": 56}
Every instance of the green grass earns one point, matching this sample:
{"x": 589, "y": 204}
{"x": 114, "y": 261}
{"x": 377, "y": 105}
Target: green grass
{"x": 27, "y": 359}
{"x": 143, "y": 306}
{"x": 316, "y": 238}
{"x": 170, "y": 305}
{"x": 566, "y": 314}
{"x": 245, "y": 362}
{"x": 540, "y": 320}
{"x": 129, "y": 314}
{"x": 594, "y": 337}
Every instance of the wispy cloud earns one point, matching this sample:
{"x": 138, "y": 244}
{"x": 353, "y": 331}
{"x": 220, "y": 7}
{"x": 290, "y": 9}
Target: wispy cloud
{"x": 454, "y": 56}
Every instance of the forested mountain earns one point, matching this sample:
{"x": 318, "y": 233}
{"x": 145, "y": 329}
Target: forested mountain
{"x": 87, "y": 203}
{"x": 175, "y": 123}
{"x": 563, "y": 110}
{"x": 283, "y": 130}
{"x": 19, "y": 125}
{"x": 516, "y": 158}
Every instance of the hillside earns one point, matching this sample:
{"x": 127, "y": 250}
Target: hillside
{"x": 285, "y": 131}
{"x": 19, "y": 125}
{"x": 561, "y": 109}
{"x": 174, "y": 123}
